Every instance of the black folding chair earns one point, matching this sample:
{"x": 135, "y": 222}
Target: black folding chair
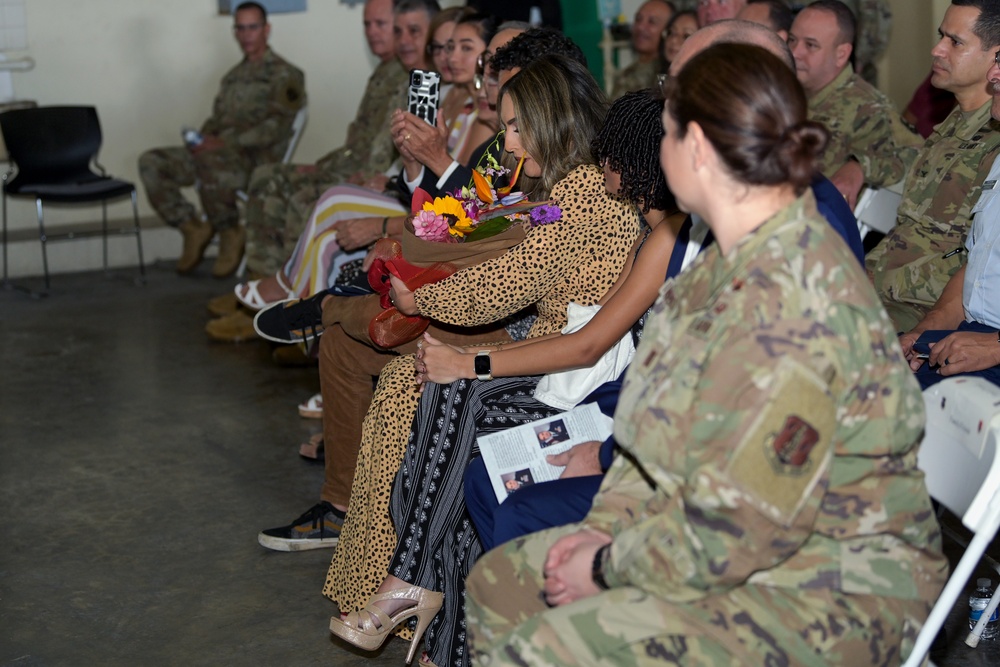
{"x": 52, "y": 149}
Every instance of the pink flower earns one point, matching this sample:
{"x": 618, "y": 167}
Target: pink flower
{"x": 429, "y": 226}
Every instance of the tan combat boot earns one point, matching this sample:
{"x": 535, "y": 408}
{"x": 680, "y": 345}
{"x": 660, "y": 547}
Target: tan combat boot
{"x": 233, "y": 328}
{"x": 231, "y": 243}
{"x": 197, "y": 235}
{"x": 223, "y": 305}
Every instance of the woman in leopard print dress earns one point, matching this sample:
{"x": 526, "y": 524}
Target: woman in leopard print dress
{"x": 577, "y": 258}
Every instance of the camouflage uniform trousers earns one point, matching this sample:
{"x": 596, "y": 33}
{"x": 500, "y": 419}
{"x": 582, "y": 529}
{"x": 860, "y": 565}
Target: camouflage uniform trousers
{"x": 281, "y": 199}
{"x": 218, "y": 175}
{"x": 510, "y": 624}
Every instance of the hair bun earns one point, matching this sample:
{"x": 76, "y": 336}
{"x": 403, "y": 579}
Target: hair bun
{"x": 799, "y": 150}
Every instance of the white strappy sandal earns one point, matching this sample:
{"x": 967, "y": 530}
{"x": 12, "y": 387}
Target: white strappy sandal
{"x": 313, "y": 408}
{"x": 251, "y": 297}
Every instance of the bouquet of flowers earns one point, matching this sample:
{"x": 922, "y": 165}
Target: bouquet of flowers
{"x": 479, "y": 210}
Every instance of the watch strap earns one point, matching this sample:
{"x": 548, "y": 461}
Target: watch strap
{"x": 601, "y": 557}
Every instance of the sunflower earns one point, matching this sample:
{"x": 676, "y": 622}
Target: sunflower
{"x": 451, "y": 207}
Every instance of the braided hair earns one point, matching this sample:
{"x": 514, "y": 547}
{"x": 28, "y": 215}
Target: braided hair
{"x": 630, "y": 142}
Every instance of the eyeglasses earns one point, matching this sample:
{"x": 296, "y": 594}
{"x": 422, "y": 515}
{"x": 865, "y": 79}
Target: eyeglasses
{"x": 247, "y": 27}
{"x": 484, "y": 67}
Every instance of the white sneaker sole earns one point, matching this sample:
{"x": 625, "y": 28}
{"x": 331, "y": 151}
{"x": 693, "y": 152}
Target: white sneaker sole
{"x": 279, "y": 544}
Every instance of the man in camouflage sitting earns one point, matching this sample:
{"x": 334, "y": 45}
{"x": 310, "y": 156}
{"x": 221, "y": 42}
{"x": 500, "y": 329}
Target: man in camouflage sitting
{"x": 869, "y": 143}
{"x": 282, "y": 195}
{"x": 251, "y": 124}
{"x": 647, "y": 27}
{"x": 912, "y": 264}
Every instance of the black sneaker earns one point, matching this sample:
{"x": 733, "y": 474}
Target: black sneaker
{"x": 318, "y": 528}
{"x": 291, "y": 321}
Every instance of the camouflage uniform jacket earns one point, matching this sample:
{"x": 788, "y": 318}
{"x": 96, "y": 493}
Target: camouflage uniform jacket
{"x": 863, "y": 125}
{"x": 934, "y": 216}
{"x": 369, "y": 144}
{"x": 256, "y": 105}
{"x": 636, "y": 76}
{"x": 776, "y": 425}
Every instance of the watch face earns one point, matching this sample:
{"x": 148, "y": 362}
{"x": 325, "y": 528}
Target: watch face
{"x": 482, "y": 364}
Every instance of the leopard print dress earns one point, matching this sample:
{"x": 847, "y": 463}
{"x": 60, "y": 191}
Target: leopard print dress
{"x": 577, "y": 258}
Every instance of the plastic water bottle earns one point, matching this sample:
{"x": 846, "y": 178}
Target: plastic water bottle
{"x": 978, "y": 602}
{"x": 191, "y": 136}
{"x": 608, "y": 11}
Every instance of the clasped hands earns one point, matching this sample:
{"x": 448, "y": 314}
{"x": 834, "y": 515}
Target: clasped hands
{"x": 568, "y": 567}
{"x": 958, "y": 352}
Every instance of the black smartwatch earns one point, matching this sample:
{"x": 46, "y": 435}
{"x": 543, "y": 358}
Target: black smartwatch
{"x": 601, "y": 557}
{"x": 483, "y": 366}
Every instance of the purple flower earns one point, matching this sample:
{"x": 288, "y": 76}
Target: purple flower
{"x": 544, "y": 214}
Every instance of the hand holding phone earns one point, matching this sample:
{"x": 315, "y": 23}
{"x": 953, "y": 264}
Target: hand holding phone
{"x": 424, "y": 95}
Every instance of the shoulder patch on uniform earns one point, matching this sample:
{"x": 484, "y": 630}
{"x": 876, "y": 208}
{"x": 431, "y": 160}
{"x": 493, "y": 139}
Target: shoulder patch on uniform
{"x": 788, "y": 446}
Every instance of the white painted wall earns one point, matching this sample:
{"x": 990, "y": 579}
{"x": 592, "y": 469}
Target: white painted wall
{"x": 151, "y": 67}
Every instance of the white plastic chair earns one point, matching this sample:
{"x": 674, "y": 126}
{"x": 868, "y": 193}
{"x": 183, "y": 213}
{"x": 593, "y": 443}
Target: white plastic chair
{"x": 876, "y": 208}
{"x": 298, "y": 124}
{"x": 962, "y": 472}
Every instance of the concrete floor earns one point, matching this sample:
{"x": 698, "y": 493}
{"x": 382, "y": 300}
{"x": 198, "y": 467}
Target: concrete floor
{"x": 137, "y": 464}
{"x": 138, "y": 461}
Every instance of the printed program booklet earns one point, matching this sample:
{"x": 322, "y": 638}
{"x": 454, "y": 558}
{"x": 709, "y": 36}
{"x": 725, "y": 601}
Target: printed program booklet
{"x": 516, "y": 457}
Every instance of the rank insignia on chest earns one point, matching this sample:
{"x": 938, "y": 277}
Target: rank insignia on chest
{"x": 669, "y": 297}
{"x": 968, "y": 145}
{"x": 789, "y": 448}
{"x": 702, "y": 325}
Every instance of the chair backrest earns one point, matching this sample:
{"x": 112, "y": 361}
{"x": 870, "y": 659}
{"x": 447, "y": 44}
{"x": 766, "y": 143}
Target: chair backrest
{"x": 298, "y": 124}
{"x": 962, "y": 472}
{"x": 51, "y": 144}
{"x": 960, "y": 442}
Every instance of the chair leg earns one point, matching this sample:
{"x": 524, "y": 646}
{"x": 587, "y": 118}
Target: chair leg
{"x": 43, "y": 238}
{"x": 138, "y": 236}
{"x": 104, "y": 232}
{"x": 6, "y": 282}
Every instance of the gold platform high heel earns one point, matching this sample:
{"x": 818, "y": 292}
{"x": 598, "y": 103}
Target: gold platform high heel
{"x": 359, "y": 628}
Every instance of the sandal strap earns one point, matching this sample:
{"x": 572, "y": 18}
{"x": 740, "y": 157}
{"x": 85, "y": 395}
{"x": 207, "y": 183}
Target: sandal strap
{"x": 280, "y": 277}
{"x": 315, "y": 402}
{"x": 252, "y": 297}
{"x": 362, "y": 620}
